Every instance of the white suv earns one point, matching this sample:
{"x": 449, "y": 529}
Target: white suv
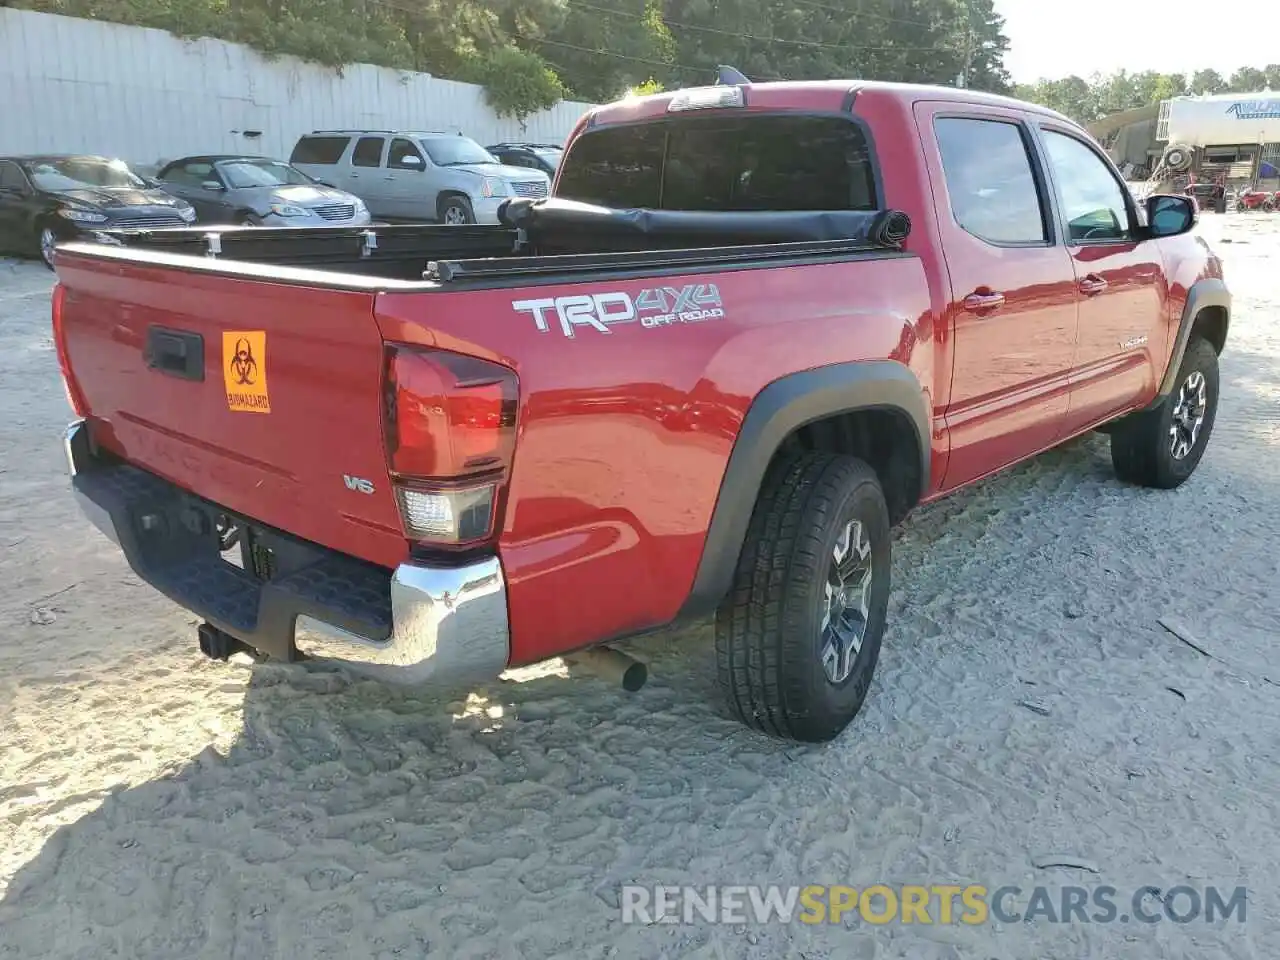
{"x": 416, "y": 176}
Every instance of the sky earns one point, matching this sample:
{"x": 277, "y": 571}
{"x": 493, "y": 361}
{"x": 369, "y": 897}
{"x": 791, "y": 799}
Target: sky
{"x": 1052, "y": 39}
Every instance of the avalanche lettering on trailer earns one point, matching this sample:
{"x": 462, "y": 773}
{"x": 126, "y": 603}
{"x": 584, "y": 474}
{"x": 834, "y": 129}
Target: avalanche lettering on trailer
{"x": 652, "y": 307}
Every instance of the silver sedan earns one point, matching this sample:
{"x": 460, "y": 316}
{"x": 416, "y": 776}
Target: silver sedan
{"x": 257, "y": 191}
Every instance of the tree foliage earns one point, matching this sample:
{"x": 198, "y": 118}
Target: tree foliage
{"x": 530, "y": 53}
{"x": 1098, "y": 96}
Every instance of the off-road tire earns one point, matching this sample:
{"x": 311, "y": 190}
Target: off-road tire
{"x": 769, "y": 628}
{"x": 1141, "y": 448}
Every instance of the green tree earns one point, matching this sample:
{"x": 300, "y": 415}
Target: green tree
{"x": 1207, "y": 82}
{"x": 528, "y": 52}
{"x": 1248, "y": 80}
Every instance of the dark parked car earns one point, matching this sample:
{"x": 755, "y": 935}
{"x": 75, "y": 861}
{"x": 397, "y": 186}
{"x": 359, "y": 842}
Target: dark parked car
{"x": 257, "y": 191}
{"x": 47, "y": 199}
{"x": 535, "y": 156}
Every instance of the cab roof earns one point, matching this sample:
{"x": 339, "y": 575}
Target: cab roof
{"x": 816, "y": 95}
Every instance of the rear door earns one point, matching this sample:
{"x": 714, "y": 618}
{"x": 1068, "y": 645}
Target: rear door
{"x": 366, "y": 178}
{"x": 1120, "y": 278}
{"x": 261, "y": 396}
{"x": 1013, "y": 307}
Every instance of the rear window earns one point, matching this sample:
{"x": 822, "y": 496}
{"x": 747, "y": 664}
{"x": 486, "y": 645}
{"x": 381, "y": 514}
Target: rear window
{"x": 712, "y": 163}
{"x": 368, "y": 152}
{"x": 327, "y": 150}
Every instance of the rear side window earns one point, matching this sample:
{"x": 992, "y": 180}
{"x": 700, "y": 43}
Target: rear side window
{"x": 325, "y": 150}
{"x": 12, "y": 177}
{"x": 989, "y": 180}
{"x": 718, "y": 164}
{"x": 368, "y": 152}
{"x": 191, "y": 174}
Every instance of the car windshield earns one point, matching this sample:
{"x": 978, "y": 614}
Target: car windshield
{"x": 456, "y": 151}
{"x": 550, "y": 157}
{"x": 77, "y": 173}
{"x": 241, "y": 174}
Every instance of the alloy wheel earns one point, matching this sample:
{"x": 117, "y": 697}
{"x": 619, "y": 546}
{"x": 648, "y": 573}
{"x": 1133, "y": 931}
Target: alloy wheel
{"x": 48, "y": 241}
{"x": 847, "y": 597}
{"x": 1188, "y": 416}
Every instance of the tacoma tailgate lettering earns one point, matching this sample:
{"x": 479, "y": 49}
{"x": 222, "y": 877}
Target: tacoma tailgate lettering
{"x": 244, "y": 370}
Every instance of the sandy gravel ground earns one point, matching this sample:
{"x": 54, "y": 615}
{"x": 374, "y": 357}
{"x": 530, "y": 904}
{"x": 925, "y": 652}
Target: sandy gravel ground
{"x": 155, "y": 805}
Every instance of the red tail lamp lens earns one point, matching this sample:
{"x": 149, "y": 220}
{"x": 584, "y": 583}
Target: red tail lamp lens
{"x": 60, "y": 344}
{"x": 451, "y": 422}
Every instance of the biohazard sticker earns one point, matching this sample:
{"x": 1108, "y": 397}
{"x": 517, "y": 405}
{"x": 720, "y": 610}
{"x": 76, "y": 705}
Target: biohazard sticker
{"x": 244, "y": 370}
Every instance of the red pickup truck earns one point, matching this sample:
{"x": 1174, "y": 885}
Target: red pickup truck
{"x": 753, "y": 328}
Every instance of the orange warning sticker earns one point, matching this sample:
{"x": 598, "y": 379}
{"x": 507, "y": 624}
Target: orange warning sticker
{"x": 244, "y": 370}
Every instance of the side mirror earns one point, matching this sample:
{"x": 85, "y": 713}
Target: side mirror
{"x": 1169, "y": 215}
{"x": 212, "y": 185}
{"x": 411, "y": 162}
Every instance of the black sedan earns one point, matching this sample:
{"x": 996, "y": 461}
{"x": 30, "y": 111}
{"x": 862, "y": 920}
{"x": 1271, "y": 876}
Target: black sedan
{"x": 45, "y": 200}
{"x": 535, "y": 156}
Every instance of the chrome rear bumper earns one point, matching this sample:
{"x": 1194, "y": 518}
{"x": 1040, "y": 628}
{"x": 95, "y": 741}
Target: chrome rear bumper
{"x": 447, "y": 624}
{"x": 421, "y": 623}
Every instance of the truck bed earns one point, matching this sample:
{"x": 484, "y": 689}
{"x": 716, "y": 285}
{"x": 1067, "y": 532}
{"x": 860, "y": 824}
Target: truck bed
{"x": 547, "y": 238}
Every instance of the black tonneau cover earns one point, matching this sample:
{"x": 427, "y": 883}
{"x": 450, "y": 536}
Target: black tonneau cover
{"x": 556, "y": 226}
{"x": 550, "y": 237}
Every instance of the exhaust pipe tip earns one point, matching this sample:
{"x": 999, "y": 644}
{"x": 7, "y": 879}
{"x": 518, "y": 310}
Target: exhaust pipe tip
{"x": 612, "y": 665}
{"x": 217, "y": 644}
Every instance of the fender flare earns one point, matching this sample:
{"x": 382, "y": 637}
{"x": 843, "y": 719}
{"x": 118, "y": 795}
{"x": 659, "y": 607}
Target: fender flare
{"x": 448, "y": 192}
{"x": 1208, "y": 292}
{"x": 779, "y": 410}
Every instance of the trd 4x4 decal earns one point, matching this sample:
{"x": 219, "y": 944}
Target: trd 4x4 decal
{"x": 654, "y": 307}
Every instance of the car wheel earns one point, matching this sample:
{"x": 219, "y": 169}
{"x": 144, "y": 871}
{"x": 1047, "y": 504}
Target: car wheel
{"x": 456, "y": 211}
{"x": 1161, "y": 448}
{"x": 46, "y": 240}
{"x": 1269, "y": 206}
{"x": 798, "y": 637}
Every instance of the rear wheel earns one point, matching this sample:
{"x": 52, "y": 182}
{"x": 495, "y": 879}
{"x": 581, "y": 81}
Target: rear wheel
{"x": 1268, "y": 206}
{"x": 1162, "y": 447}
{"x": 798, "y": 638}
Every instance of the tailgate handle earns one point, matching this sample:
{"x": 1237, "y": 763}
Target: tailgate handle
{"x": 175, "y": 352}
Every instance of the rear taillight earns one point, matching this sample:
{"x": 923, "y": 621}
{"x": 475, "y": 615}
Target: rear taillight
{"x": 450, "y": 429}
{"x": 60, "y": 344}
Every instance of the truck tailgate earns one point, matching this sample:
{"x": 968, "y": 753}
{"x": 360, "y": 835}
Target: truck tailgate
{"x": 262, "y": 396}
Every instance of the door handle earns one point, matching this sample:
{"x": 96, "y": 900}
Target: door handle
{"x": 983, "y": 300}
{"x": 1092, "y": 285}
{"x": 179, "y": 353}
